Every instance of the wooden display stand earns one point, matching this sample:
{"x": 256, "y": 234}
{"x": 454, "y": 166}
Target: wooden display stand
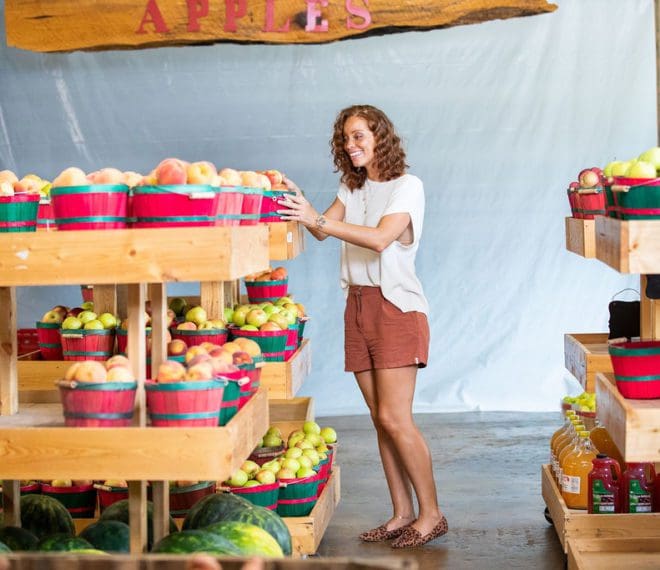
{"x": 284, "y": 379}
{"x": 618, "y": 540}
{"x": 290, "y": 414}
{"x": 581, "y": 237}
{"x": 286, "y": 240}
{"x": 585, "y": 355}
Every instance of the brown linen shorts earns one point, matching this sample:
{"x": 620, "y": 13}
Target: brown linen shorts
{"x": 377, "y": 334}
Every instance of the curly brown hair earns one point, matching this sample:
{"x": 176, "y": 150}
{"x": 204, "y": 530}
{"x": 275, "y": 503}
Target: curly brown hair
{"x": 389, "y": 156}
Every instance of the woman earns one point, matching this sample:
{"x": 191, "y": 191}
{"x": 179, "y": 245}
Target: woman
{"x": 378, "y": 215}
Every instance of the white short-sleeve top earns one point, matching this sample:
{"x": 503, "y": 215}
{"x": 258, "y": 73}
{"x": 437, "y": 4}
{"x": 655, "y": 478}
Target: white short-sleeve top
{"x": 393, "y": 270}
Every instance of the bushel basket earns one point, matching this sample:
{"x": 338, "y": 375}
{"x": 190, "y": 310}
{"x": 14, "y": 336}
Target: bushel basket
{"x": 251, "y": 208}
{"x": 262, "y": 495}
{"x": 97, "y": 404}
{"x": 18, "y": 213}
{"x": 87, "y": 344}
{"x": 636, "y": 367}
{"x": 184, "y": 404}
{"x": 269, "y": 205}
{"x": 229, "y": 205}
{"x": 634, "y": 198}
{"x": 93, "y": 207}
{"x": 171, "y": 206}
{"x": 50, "y": 342}
{"x": 297, "y": 496}
{"x": 272, "y": 343}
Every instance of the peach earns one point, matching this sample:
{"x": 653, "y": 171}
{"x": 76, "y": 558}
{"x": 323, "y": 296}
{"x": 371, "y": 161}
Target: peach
{"x": 224, "y": 356}
{"x": 30, "y": 184}
{"x": 72, "y": 176}
{"x": 221, "y": 367}
{"x": 131, "y": 178}
{"x": 250, "y": 179}
{"x": 8, "y": 176}
{"x": 208, "y": 346}
{"x": 87, "y": 371}
{"x": 264, "y": 182}
{"x": 279, "y": 273}
{"x": 270, "y": 326}
{"x": 120, "y": 374}
{"x": 107, "y": 176}
{"x": 230, "y": 177}
{"x": 187, "y": 326}
{"x": 6, "y": 189}
{"x": 150, "y": 179}
{"x": 274, "y": 176}
{"x": 176, "y": 347}
{"x": 200, "y": 371}
{"x": 194, "y": 351}
{"x": 231, "y": 347}
{"x": 241, "y": 357}
{"x": 117, "y": 360}
{"x": 171, "y": 371}
{"x": 197, "y": 359}
{"x": 171, "y": 171}
{"x": 202, "y": 172}
{"x": 248, "y": 345}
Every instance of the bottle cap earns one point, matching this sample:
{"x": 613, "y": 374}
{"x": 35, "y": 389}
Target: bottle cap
{"x": 602, "y": 456}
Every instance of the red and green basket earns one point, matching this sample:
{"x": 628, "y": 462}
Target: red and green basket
{"x": 291, "y": 340}
{"x": 50, "y": 341}
{"x": 110, "y": 495}
{"x": 183, "y": 498}
{"x": 193, "y": 403}
{"x": 91, "y": 207}
{"x": 261, "y": 495}
{"x": 297, "y": 497}
{"x": 193, "y": 338}
{"x": 272, "y": 343}
{"x": 590, "y": 203}
{"x": 269, "y": 205}
{"x": 46, "y": 215}
{"x": 633, "y": 198}
{"x": 87, "y": 344}
{"x": 79, "y": 500}
{"x": 636, "y": 366}
{"x": 325, "y": 468}
{"x": 231, "y": 399}
{"x": 302, "y": 321}
{"x": 122, "y": 339}
{"x": 97, "y": 404}
{"x": 261, "y": 291}
{"x": 171, "y": 206}
{"x": 251, "y": 208}
{"x": 18, "y": 213}
{"x": 253, "y": 372}
{"x": 229, "y": 206}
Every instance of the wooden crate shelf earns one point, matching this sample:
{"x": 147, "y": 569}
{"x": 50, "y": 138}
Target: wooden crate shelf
{"x": 286, "y": 240}
{"x": 629, "y": 246}
{"x": 614, "y": 553}
{"x": 585, "y": 354}
{"x": 581, "y": 237}
{"x": 136, "y": 256}
{"x": 633, "y": 424}
{"x": 307, "y": 532}
{"x": 290, "y": 415}
{"x": 34, "y": 445}
{"x": 284, "y": 379}
{"x": 571, "y": 524}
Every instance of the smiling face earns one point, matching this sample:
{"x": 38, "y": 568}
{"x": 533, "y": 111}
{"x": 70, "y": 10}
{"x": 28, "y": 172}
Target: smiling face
{"x": 359, "y": 144}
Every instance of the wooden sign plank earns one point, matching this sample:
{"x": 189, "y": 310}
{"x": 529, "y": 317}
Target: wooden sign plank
{"x": 66, "y": 25}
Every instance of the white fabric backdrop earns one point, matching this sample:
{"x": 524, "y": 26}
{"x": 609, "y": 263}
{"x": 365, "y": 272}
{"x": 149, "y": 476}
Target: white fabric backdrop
{"x": 497, "y": 119}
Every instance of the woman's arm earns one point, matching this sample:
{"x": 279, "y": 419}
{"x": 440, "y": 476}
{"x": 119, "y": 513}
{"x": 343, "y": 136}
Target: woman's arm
{"x": 389, "y": 227}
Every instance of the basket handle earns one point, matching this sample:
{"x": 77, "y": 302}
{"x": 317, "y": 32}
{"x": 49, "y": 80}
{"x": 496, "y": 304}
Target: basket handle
{"x": 623, "y": 290}
{"x": 618, "y": 340}
{"x": 66, "y": 383}
{"x": 620, "y": 188}
{"x": 594, "y": 190}
{"x": 201, "y": 196}
{"x": 72, "y": 335}
{"x": 101, "y": 487}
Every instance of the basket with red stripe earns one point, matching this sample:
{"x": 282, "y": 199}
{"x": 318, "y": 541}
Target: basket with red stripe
{"x": 91, "y": 207}
{"x": 18, "y": 213}
{"x": 229, "y": 206}
{"x": 262, "y": 495}
{"x": 175, "y": 205}
{"x": 46, "y": 215}
{"x": 590, "y": 203}
{"x": 195, "y": 337}
{"x": 251, "y": 208}
{"x": 634, "y": 198}
{"x": 184, "y": 497}
{"x": 298, "y": 496}
{"x": 79, "y": 500}
{"x": 272, "y": 343}
{"x": 636, "y": 366}
{"x": 49, "y": 340}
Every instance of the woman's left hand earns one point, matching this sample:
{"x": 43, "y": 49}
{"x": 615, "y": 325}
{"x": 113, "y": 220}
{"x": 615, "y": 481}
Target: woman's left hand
{"x": 297, "y": 209}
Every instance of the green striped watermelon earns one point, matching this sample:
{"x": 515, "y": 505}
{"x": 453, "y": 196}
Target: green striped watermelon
{"x": 4, "y": 548}
{"x": 61, "y": 542}
{"x": 250, "y": 539}
{"x": 109, "y": 536}
{"x": 119, "y": 512}
{"x": 17, "y": 538}
{"x": 188, "y": 541}
{"x": 44, "y": 515}
{"x": 213, "y": 508}
{"x": 268, "y": 520}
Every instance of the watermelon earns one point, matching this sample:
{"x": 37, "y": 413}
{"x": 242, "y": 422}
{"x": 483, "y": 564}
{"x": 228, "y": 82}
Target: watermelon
{"x": 250, "y": 539}
{"x": 4, "y": 548}
{"x": 61, "y": 542}
{"x": 119, "y": 512}
{"x": 44, "y": 515}
{"x": 268, "y": 520}
{"x": 188, "y": 541}
{"x": 110, "y": 536}
{"x": 17, "y": 538}
{"x": 213, "y": 508}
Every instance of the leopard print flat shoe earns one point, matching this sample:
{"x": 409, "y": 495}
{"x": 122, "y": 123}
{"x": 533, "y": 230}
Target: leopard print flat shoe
{"x": 412, "y": 538}
{"x": 381, "y": 534}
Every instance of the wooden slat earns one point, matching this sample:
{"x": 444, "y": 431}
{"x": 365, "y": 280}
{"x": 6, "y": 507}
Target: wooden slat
{"x": 212, "y": 298}
{"x": 634, "y": 425}
{"x": 132, "y": 256}
{"x": 105, "y": 299}
{"x": 158, "y": 297}
{"x": 136, "y": 348}
{"x": 581, "y": 237}
{"x": 160, "y": 495}
{"x": 284, "y": 379}
{"x": 131, "y": 453}
{"x": 11, "y": 500}
{"x": 307, "y": 532}
{"x": 629, "y": 246}
{"x": 614, "y": 553}
{"x": 63, "y": 25}
{"x": 289, "y": 415}
{"x": 286, "y": 240}
{"x": 572, "y": 523}
{"x": 137, "y": 515}
{"x": 585, "y": 354}
{"x": 8, "y": 353}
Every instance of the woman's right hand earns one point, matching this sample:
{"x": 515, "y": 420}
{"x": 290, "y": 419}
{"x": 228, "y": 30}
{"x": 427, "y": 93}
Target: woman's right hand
{"x": 291, "y": 185}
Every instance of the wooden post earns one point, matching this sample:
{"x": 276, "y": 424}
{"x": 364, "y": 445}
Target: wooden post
{"x": 657, "y": 66}
{"x": 137, "y": 515}
{"x": 11, "y": 496}
{"x": 212, "y": 298}
{"x": 105, "y": 299}
{"x": 8, "y": 353}
{"x": 160, "y": 495}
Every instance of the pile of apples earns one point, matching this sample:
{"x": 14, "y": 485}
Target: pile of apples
{"x": 270, "y": 274}
{"x": 196, "y": 319}
{"x": 645, "y": 166}
{"x": 82, "y": 317}
{"x": 116, "y": 369}
{"x": 584, "y": 402}
{"x": 206, "y": 361}
{"x": 266, "y": 316}
{"x": 11, "y": 185}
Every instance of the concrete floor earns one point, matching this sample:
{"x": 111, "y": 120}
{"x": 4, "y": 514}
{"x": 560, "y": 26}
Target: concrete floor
{"x": 487, "y": 469}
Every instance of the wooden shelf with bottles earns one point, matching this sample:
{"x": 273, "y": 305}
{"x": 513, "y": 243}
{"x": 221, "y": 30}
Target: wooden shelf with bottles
{"x": 143, "y": 260}
{"x": 581, "y": 237}
{"x": 586, "y": 354}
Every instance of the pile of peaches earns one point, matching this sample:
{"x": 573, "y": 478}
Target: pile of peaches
{"x": 11, "y": 185}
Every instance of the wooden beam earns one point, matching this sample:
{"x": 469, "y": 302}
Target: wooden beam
{"x": 8, "y": 353}
{"x": 65, "y": 25}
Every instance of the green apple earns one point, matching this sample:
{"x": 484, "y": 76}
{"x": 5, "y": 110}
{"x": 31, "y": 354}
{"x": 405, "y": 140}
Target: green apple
{"x": 291, "y": 464}
{"x": 274, "y": 430}
{"x": 641, "y": 169}
{"x": 305, "y": 461}
{"x": 304, "y": 472}
{"x": 265, "y": 477}
{"x": 238, "y": 478}
{"x": 87, "y": 306}
{"x": 206, "y": 325}
{"x": 94, "y": 325}
{"x": 249, "y": 328}
{"x": 253, "y": 483}
{"x": 274, "y": 465}
{"x": 52, "y": 317}
{"x": 314, "y": 438}
{"x": 178, "y": 305}
{"x": 284, "y": 300}
{"x": 289, "y": 316}
{"x": 108, "y": 320}
{"x": 250, "y": 467}
{"x": 86, "y": 316}
{"x": 239, "y": 314}
{"x": 313, "y": 455}
{"x": 293, "y": 453}
{"x": 256, "y": 317}
{"x": 651, "y": 156}
{"x": 272, "y": 440}
{"x": 304, "y": 444}
{"x": 280, "y": 320}
{"x": 196, "y": 315}
{"x": 286, "y": 474}
{"x": 228, "y": 314}
{"x": 328, "y": 434}
{"x": 72, "y": 323}
{"x": 311, "y": 427}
